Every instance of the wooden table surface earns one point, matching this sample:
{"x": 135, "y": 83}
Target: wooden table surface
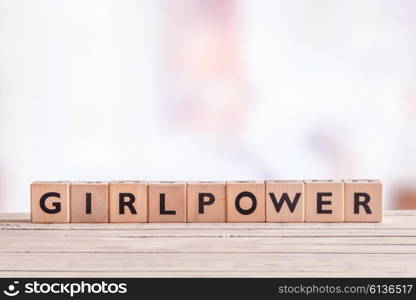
{"x": 387, "y": 249}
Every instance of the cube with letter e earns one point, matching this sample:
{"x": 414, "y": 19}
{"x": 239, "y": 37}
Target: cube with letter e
{"x": 324, "y": 200}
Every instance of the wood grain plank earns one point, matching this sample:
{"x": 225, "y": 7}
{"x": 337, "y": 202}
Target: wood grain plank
{"x": 209, "y": 245}
{"x": 188, "y": 274}
{"x": 321, "y": 265}
{"x": 404, "y": 218}
{"x": 209, "y": 250}
{"x": 220, "y": 233}
{"x": 390, "y": 223}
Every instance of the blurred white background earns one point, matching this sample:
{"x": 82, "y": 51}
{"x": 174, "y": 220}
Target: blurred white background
{"x": 207, "y": 90}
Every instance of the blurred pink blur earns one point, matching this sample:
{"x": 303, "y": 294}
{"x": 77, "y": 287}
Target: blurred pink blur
{"x": 207, "y": 90}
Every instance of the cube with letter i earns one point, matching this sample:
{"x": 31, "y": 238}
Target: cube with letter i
{"x": 89, "y": 202}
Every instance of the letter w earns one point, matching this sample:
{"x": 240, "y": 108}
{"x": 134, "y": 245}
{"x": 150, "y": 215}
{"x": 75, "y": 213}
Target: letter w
{"x": 285, "y": 198}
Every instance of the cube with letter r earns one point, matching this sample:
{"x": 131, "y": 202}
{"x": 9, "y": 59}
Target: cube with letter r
{"x": 363, "y": 200}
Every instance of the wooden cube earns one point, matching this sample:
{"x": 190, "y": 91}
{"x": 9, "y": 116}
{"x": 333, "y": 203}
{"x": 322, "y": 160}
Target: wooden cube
{"x": 285, "y": 201}
{"x": 324, "y": 201}
{"x": 363, "y": 201}
{"x": 245, "y": 201}
{"x": 50, "y": 201}
{"x": 205, "y": 201}
{"x": 89, "y": 202}
{"x": 167, "y": 202}
{"x": 128, "y": 202}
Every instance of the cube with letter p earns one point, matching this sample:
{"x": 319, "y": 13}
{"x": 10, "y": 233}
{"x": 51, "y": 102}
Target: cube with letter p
{"x": 205, "y": 201}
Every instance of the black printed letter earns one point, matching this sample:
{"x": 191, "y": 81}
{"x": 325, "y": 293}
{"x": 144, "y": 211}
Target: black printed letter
{"x": 246, "y": 211}
{"x": 56, "y": 205}
{"x": 364, "y": 203}
{"x": 88, "y": 203}
{"x": 285, "y": 198}
{"x": 128, "y": 203}
{"x": 321, "y": 203}
{"x": 163, "y": 210}
{"x": 202, "y": 203}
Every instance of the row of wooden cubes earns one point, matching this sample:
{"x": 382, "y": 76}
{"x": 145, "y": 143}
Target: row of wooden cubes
{"x": 232, "y": 201}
